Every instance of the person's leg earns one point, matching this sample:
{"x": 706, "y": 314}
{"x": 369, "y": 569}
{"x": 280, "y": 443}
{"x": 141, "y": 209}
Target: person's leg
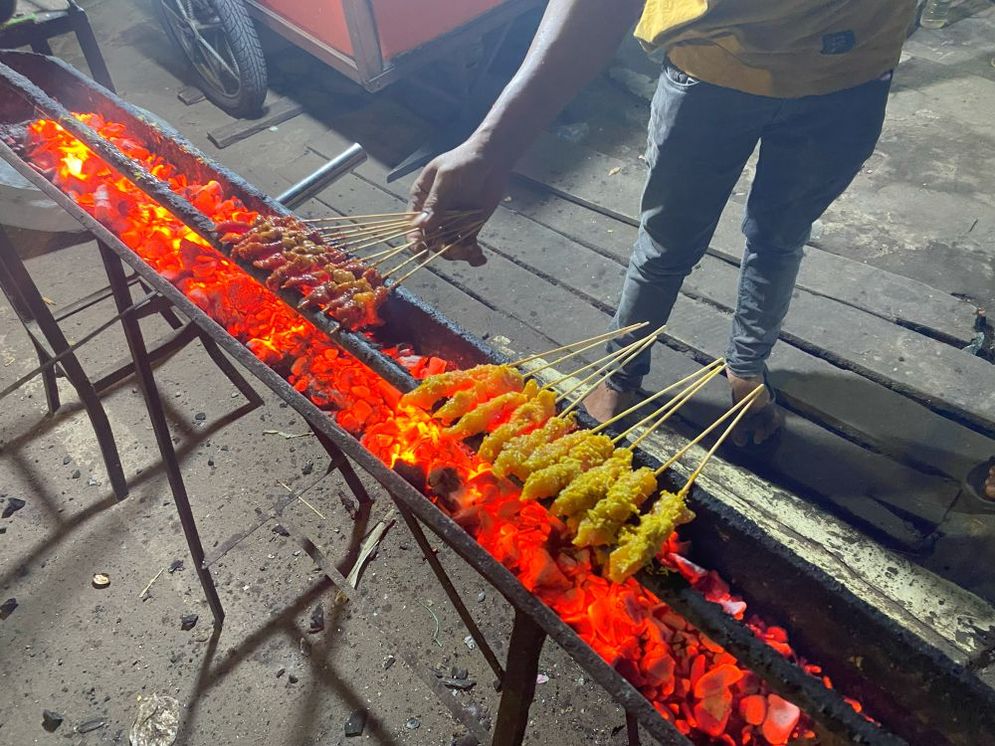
{"x": 809, "y": 154}
{"x": 700, "y": 137}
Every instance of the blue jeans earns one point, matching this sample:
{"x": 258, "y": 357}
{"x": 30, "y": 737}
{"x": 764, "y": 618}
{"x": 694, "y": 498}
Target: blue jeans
{"x": 700, "y": 138}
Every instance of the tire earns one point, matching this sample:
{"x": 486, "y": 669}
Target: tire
{"x": 234, "y": 76}
{"x": 7, "y": 8}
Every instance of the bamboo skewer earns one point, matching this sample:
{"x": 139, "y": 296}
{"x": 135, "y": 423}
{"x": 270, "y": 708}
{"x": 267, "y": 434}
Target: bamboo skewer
{"x": 379, "y": 240}
{"x": 633, "y": 350}
{"x": 389, "y": 250}
{"x": 603, "y": 337}
{"x": 636, "y": 407}
{"x": 617, "y": 358}
{"x": 748, "y": 399}
{"x": 363, "y": 229}
{"x": 670, "y": 408}
{"x": 432, "y": 258}
{"x": 742, "y": 406}
{"x": 413, "y": 258}
{"x": 457, "y": 229}
{"x": 597, "y": 340}
{"x": 337, "y": 218}
{"x": 610, "y": 356}
{"x": 390, "y": 253}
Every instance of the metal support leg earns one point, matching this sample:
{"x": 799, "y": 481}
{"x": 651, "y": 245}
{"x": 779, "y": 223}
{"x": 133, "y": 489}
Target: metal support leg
{"x": 632, "y": 729}
{"x": 226, "y": 367}
{"x": 340, "y": 462}
{"x": 527, "y": 638}
{"x": 88, "y": 44}
{"x": 28, "y": 303}
{"x": 153, "y": 403}
{"x": 41, "y": 46}
{"x": 447, "y": 585}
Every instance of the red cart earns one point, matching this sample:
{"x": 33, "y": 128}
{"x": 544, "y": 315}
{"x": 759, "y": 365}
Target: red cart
{"x": 373, "y": 42}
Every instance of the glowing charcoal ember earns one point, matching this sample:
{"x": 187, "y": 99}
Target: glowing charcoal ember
{"x": 782, "y": 718}
{"x": 753, "y": 709}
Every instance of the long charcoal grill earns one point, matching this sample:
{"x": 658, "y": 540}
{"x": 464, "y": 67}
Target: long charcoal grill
{"x": 918, "y": 693}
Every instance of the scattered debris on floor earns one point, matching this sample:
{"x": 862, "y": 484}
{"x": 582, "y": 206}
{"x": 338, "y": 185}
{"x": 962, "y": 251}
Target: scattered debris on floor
{"x": 51, "y": 720}
{"x": 157, "y": 722}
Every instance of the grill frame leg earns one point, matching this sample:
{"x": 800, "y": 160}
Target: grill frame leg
{"x": 157, "y": 417}
{"x": 30, "y": 307}
{"x": 447, "y": 585}
{"x": 519, "y": 685}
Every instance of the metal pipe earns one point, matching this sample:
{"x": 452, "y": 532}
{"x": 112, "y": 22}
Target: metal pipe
{"x": 345, "y": 162}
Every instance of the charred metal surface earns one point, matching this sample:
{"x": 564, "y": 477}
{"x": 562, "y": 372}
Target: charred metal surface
{"x": 918, "y": 692}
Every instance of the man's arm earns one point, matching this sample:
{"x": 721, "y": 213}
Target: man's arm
{"x": 575, "y": 40}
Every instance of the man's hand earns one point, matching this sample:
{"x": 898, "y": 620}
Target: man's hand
{"x": 576, "y": 38}
{"x": 461, "y": 187}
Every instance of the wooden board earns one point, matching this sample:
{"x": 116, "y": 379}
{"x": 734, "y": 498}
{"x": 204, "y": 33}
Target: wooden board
{"x": 614, "y": 188}
{"x": 276, "y": 112}
{"x": 894, "y": 425}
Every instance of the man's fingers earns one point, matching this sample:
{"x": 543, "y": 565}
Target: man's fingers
{"x": 422, "y": 187}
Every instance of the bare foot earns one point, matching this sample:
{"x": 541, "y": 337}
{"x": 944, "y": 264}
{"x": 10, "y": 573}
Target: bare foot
{"x": 765, "y": 417}
{"x": 990, "y": 484}
{"x": 605, "y": 402}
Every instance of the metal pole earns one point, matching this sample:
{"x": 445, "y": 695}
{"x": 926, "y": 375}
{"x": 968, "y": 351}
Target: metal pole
{"x": 345, "y": 162}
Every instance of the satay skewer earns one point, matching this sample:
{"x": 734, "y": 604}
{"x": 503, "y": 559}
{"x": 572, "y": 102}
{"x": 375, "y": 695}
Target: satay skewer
{"x": 634, "y": 350}
{"x": 669, "y": 409}
{"x": 378, "y": 240}
{"x": 597, "y": 340}
{"x": 741, "y": 407}
{"x": 387, "y": 254}
{"x": 425, "y": 263}
{"x": 360, "y": 230}
{"x": 650, "y": 399}
{"x": 590, "y": 342}
{"x": 391, "y": 250}
{"x": 413, "y": 258}
{"x": 338, "y": 218}
{"x": 601, "y": 360}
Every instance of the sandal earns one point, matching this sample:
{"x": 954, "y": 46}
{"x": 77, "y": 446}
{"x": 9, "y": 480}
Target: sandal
{"x": 760, "y": 430}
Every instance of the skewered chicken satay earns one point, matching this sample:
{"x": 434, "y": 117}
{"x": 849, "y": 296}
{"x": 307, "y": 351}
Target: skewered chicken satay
{"x": 589, "y": 488}
{"x": 639, "y": 545}
{"x": 503, "y": 380}
{"x": 534, "y": 412}
{"x": 437, "y": 387}
{"x": 511, "y": 460}
{"x": 548, "y": 481}
{"x": 602, "y": 523}
{"x": 486, "y": 415}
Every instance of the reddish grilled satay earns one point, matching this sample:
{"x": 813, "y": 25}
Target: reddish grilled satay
{"x": 295, "y": 265}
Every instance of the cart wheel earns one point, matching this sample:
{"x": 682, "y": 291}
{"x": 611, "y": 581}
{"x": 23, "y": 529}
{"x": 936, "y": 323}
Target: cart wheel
{"x": 219, "y": 40}
{"x": 7, "y": 8}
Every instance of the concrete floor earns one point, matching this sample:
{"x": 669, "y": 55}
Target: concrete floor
{"x": 90, "y": 653}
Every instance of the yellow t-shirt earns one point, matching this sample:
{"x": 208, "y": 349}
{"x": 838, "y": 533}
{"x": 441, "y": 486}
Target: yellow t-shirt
{"x": 784, "y": 49}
